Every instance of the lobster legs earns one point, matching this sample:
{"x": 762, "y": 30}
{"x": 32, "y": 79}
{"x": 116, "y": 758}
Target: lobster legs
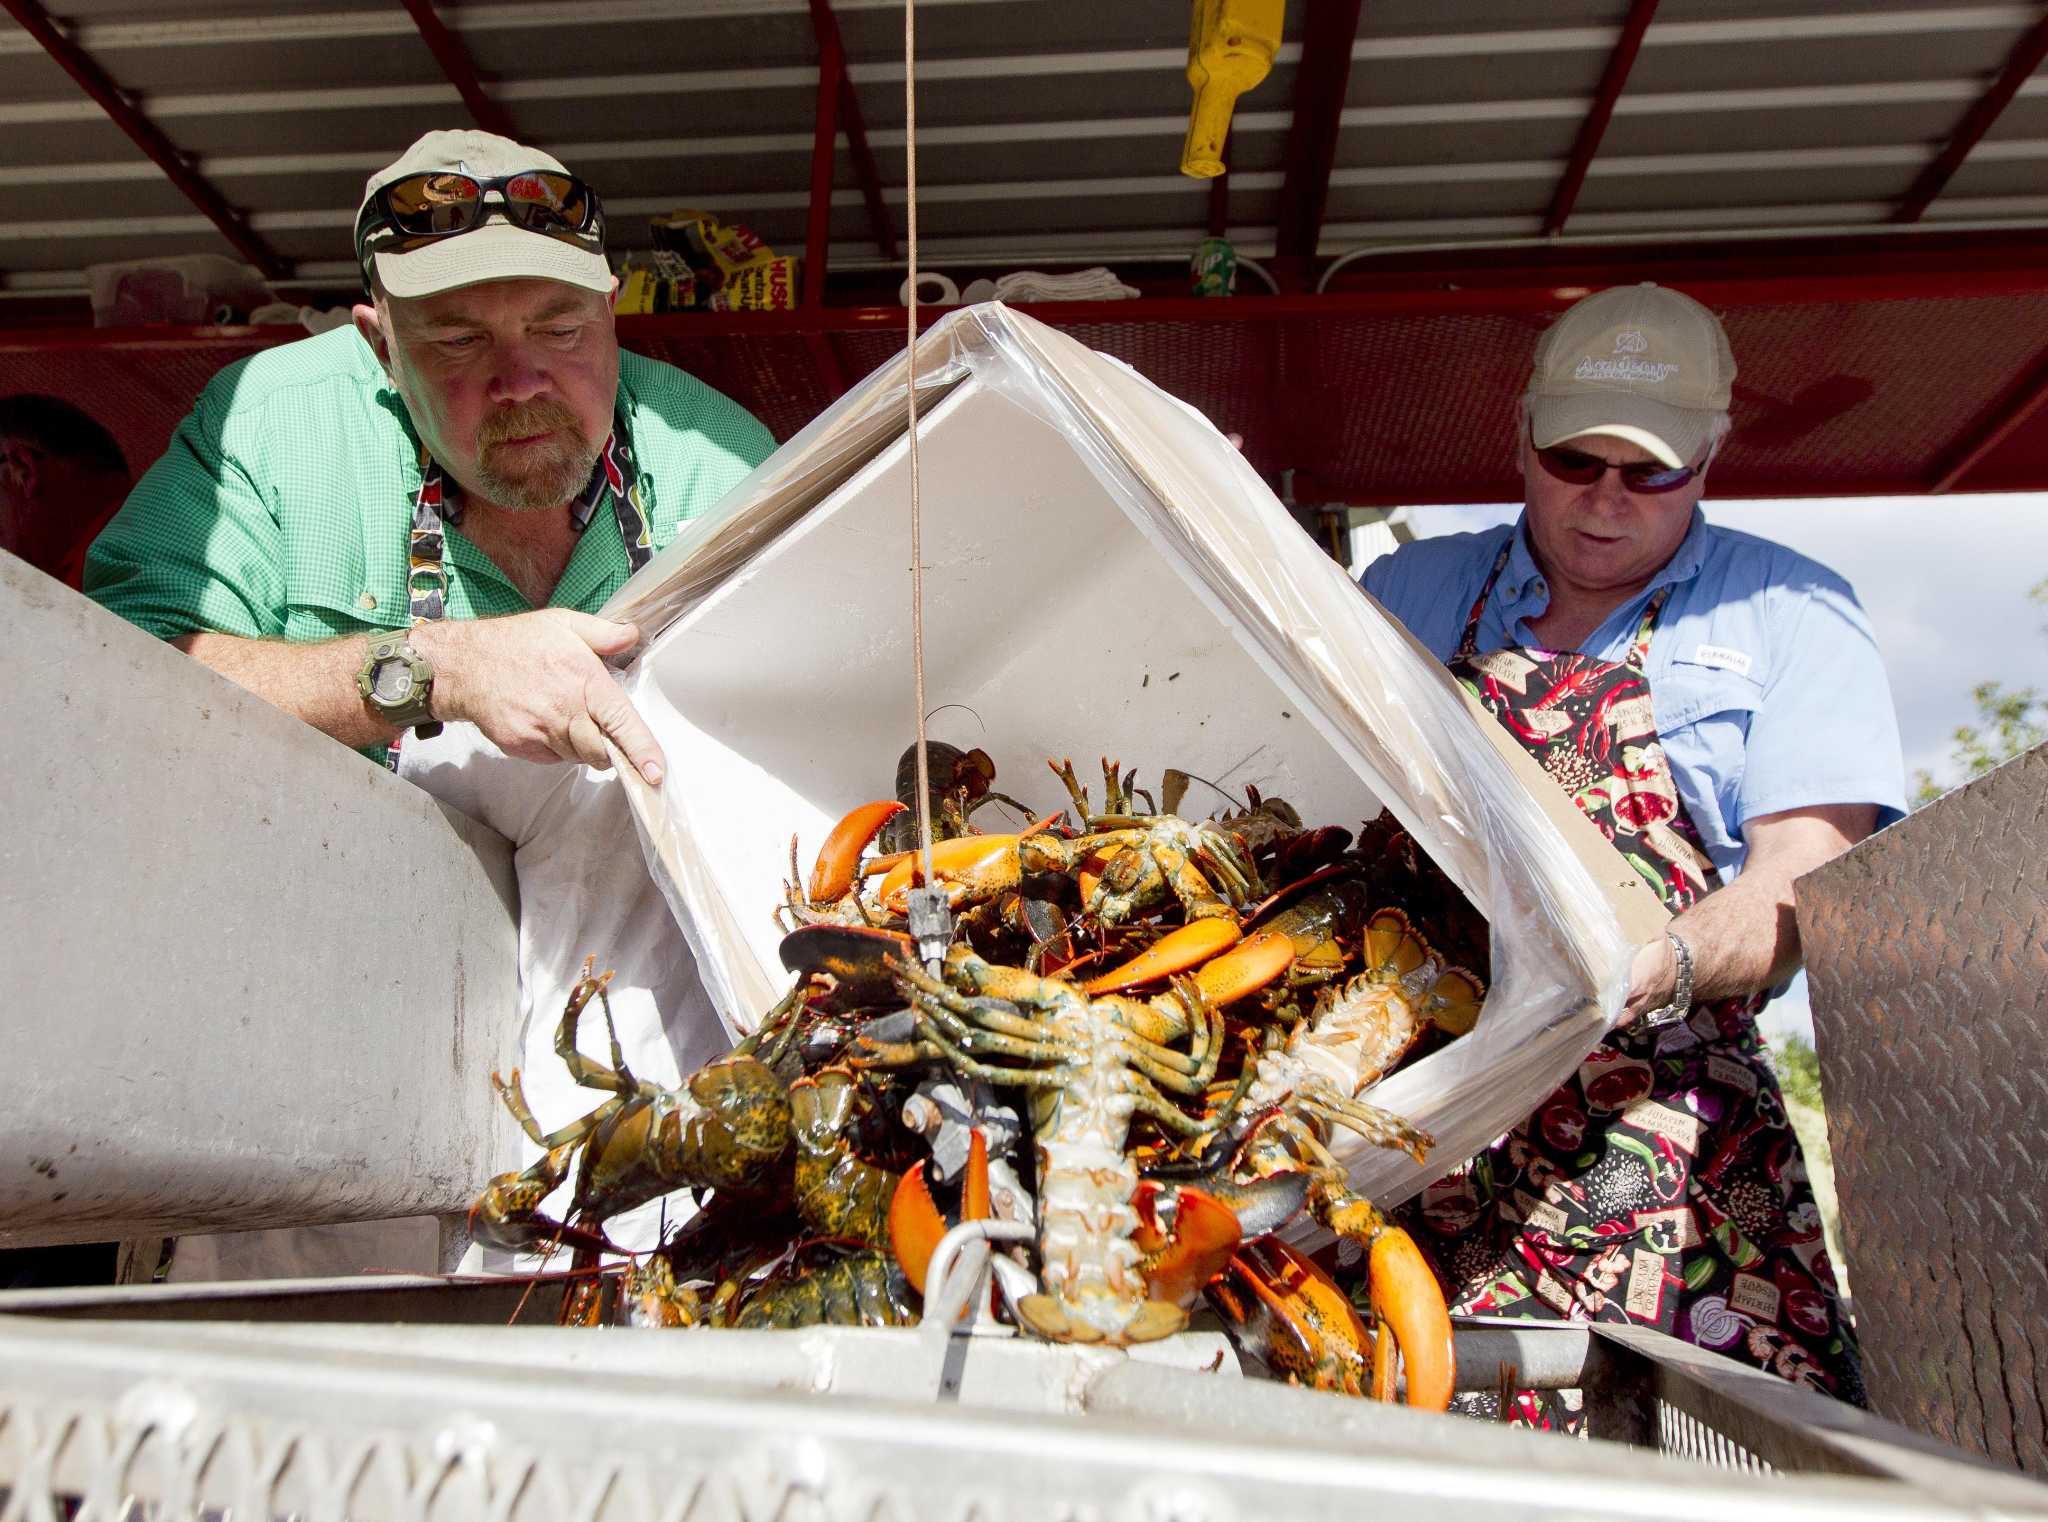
{"x": 507, "y": 1215}
{"x": 1090, "y": 1066}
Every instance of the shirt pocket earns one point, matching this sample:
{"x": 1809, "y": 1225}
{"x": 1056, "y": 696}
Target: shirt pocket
{"x": 1688, "y": 693}
{"x": 326, "y": 601}
{"x": 344, "y": 569}
{"x": 1703, "y": 719}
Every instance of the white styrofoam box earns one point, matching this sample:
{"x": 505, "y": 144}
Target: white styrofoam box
{"x": 1104, "y": 575}
{"x": 785, "y": 697}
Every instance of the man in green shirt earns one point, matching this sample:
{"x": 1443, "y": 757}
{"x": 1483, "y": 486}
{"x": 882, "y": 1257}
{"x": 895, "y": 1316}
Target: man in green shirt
{"x": 359, "y": 528}
{"x": 475, "y": 448}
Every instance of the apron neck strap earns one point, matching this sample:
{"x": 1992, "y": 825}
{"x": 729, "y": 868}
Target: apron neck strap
{"x": 1638, "y": 649}
{"x": 1468, "y": 643}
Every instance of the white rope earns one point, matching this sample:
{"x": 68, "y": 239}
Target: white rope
{"x": 924, "y": 815}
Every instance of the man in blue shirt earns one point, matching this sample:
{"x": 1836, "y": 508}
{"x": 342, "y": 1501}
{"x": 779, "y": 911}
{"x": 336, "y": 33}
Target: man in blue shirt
{"x": 1716, "y": 704}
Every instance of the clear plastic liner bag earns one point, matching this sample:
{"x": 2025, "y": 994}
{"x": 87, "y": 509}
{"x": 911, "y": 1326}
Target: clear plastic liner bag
{"x": 1105, "y": 575}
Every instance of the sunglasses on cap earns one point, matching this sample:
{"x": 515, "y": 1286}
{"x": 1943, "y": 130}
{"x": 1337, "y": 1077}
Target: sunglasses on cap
{"x": 1648, "y": 477}
{"x": 445, "y": 203}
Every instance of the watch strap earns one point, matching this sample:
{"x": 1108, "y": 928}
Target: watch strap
{"x": 1681, "y": 992}
{"x": 416, "y": 712}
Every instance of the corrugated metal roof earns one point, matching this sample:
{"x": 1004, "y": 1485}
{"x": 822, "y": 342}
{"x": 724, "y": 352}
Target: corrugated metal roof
{"x": 1044, "y": 128}
{"x": 1759, "y": 154}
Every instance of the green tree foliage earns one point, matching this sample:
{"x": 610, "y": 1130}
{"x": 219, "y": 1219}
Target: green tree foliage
{"x": 1798, "y": 1069}
{"x": 1793, "y": 1059}
{"x": 2009, "y": 720}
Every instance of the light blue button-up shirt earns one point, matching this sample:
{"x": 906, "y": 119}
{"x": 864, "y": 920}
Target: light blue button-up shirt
{"x": 1766, "y": 680}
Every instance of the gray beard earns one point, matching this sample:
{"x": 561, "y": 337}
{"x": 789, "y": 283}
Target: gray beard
{"x": 546, "y": 482}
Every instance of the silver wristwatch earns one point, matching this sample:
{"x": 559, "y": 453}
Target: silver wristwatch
{"x": 1681, "y": 992}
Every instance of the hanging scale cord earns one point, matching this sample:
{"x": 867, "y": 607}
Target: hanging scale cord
{"x": 930, "y": 923}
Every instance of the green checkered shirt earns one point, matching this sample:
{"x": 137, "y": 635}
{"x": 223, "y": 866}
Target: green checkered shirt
{"x": 283, "y": 506}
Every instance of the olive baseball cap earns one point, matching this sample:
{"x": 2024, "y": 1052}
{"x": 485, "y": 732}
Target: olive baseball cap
{"x": 1638, "y": 362}
{"x": 496, "y": 248}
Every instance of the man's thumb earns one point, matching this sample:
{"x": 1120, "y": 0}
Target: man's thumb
{"x": 605, "y": 637}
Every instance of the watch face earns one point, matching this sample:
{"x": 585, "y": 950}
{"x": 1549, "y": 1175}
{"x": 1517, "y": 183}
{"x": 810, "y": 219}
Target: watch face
{"x": 391, "y": 683}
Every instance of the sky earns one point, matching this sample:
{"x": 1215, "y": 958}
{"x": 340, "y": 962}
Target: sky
{"x": 1944, "y": 580}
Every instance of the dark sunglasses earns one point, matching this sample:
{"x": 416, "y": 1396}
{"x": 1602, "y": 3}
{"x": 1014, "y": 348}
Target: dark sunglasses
{"x": 1649, "y": 477}
{"x": 443, "y": 203}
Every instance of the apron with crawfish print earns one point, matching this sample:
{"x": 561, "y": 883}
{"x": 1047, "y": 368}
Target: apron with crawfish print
{"x": 1661, "y": 1185}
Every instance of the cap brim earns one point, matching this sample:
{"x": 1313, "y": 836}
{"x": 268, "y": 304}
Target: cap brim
{"x": 1675, "y": 435}
{"x": 495, "y": 251}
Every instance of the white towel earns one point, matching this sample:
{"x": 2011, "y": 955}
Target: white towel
{"x": 1097, "y": 284}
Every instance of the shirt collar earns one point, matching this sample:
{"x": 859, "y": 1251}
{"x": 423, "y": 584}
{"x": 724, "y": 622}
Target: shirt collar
{"x": 1521, "y": 576}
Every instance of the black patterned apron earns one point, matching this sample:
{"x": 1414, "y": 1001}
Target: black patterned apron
{"x": 1662, "y": 1184}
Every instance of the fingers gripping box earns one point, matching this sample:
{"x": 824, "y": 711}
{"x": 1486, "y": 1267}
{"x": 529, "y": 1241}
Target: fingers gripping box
{"x": 1104, "y": 575}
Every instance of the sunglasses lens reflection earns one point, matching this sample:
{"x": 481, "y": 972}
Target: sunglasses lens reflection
{"x": 544, "y": 202}
{"x": 427, "y": 205}
{"x": 1655, "y": 478}
{"x": 435, "y": 205}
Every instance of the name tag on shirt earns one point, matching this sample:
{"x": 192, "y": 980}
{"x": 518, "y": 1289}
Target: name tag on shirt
{"x": 1724, "y": 657}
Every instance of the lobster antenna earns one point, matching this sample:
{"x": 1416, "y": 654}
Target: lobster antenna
{"x": 944, "y": 706}
{"x": 1228, "y": 796}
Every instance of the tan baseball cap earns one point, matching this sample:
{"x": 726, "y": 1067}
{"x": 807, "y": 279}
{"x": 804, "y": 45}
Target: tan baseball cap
{"x": 1638, "y": 362}
{"x": 497, "y": 248}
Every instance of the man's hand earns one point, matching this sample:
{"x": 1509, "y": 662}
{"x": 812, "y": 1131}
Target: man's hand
{"x": 537, "y": 686}
{"x": 1744, "y": 938}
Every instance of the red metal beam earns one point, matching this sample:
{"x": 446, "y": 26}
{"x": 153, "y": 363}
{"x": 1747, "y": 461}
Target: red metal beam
{"x": 1934, "y": 266}
{"x": 1594, "y": 127}
{"x": 1320, "y": 81}
{"x": 1911, "y": 264}
{"x": 824, "y": 147}
{"x": 1968, "y": 455}
{"x": 825, "y": 25}
{"x": 1977, "y": 121}
{"x": 455, "y": 62}
{"x": 1872, "y": 277}
{"x": 146, "y": 135}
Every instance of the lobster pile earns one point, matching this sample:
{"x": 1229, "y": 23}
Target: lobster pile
{"x": 1179, "y": 1013}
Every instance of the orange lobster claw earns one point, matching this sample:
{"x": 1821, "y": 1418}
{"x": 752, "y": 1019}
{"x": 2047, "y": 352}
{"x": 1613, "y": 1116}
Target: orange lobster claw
{"x": 962, "y": 856}
{"x": 1299, "y": 1321}
{"x": 975, "y": 1204}
{"x": 1205, "y": 1234}
{"x": 1386, "y": 1362}
{"x": 1088, "y": 876}
{"x": 1410, "y": 1308}
{"x": 915, "y": 1225}
{"x": 1246, "y": 968}
{"x": 1178, "y": 950}
{"x": 832, "y": 874}
{"x": 957, "y": 862}
{"x": 882, "y": 866}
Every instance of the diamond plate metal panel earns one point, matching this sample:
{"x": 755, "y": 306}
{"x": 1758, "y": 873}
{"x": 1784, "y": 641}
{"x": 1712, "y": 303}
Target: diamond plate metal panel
{"x": 1927, "y": 950}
